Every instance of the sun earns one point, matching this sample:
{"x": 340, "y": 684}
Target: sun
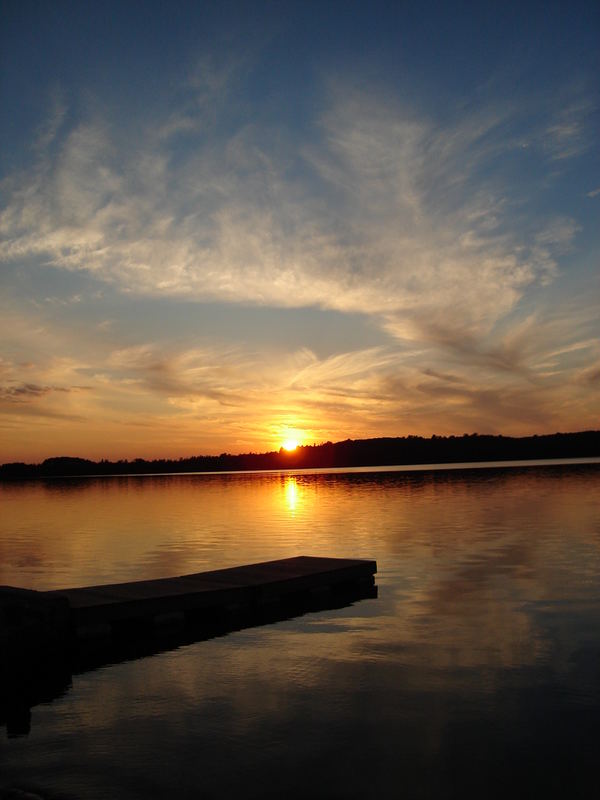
{"x": 291, "y": 438}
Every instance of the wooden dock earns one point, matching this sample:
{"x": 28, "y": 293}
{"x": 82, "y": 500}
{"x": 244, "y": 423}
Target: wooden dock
{"x": 200, "y": 597}
{"x": 48, "y": 637}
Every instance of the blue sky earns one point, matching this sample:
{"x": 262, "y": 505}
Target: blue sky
{"x": 225, "y": 225}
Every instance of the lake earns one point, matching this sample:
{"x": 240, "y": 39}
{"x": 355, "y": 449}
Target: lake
{"x": 475, "y": 672}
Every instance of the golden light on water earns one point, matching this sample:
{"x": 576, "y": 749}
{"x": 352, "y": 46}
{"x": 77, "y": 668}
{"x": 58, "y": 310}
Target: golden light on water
{"x": 291, "y": 493}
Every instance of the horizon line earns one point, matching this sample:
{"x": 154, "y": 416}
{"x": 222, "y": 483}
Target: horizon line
{"x": 301, "y": 447}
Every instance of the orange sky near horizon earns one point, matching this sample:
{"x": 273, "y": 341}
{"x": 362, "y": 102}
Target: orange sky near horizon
{"x": 175, "y": 435}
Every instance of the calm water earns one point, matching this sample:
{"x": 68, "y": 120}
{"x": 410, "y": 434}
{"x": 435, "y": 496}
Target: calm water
{"x": 476, "y": 672}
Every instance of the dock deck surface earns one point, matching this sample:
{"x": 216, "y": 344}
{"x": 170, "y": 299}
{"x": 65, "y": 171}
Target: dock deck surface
{"x": 249, "y": 586}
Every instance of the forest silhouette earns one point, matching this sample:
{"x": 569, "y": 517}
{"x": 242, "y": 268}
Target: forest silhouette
{"x": 399, "y": 451}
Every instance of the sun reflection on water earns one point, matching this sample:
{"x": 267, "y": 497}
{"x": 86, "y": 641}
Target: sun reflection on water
{"x": 292, "y": 493}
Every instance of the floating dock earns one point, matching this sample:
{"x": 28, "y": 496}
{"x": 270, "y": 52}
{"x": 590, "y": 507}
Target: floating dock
{"x": 48, "y": 637}
{"x": 201, "y": 597}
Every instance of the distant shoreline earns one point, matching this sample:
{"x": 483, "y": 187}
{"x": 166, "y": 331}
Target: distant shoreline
{"x": 408, "y": 451}
{"x": 455, "y": 466}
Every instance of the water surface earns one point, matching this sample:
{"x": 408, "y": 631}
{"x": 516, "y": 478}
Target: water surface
{"x": 475, "y": 672}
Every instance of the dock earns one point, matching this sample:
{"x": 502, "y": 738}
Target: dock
{"x": 46, "y": 638}
{"x": 103, "y": 610}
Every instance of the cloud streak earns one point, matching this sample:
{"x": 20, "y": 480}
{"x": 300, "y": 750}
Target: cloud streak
{"x": 384, "y": 213}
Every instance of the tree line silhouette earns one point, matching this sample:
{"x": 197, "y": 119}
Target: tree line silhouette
{"x": 349, "y": 453}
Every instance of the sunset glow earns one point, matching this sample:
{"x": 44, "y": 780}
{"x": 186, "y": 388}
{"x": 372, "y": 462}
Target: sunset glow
{"x": 274, "y": 232}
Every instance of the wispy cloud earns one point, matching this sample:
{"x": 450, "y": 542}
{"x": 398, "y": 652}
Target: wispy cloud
{"x": 208, "y": 397}
{"x": 384, "y": 213}
{"x": 568, "y": 135}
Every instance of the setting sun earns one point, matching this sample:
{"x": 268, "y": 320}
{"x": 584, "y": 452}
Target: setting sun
{"x": 291, "y": 438}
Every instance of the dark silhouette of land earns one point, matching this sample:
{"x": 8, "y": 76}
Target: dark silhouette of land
{"x": 349, "y": 453}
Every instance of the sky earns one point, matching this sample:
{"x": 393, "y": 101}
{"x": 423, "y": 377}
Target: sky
{"x": 226, "y": 225}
